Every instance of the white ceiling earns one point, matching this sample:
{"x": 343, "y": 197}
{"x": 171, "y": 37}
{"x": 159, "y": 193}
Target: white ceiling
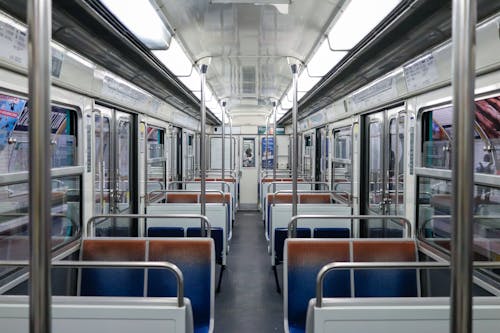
{"x": 249, "y": 44}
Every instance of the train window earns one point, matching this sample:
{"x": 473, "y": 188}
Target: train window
{"x": 14, "y": 204}
{"x": 308, "y": 141}
{"x": 157, "y": 163}
{"x": 434, "y": 210}
{"x": 438, "y": 133}
{"x": 342, "y": 161}
{"x": 14, "y": 115}
{"x": 436, "y": 143}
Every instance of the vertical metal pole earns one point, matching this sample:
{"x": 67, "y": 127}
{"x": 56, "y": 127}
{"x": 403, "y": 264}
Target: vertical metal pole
{"x": 275, "y": 159}
{"x": 223, "y": 144}
{"x": 463, "y": 51}
{"x": 202, "y": 144}
{"x": 267, "y": 143}
{"x": 39, "y": 69}
{"x": 295, "y": 141}
{"x": 231, "y": 163}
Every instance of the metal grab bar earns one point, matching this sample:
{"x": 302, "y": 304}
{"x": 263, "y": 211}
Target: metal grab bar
{"x": 184, "y": 191}
{"x": 292, "y": 225}
{"x": 385, "y": 265}
{"x": 332, "y": 193}
{"x": 206, "y": 227}
{"x": 289, "y": 182}
{"x": 226, "y": 184}
{"x": 114, "y": 264}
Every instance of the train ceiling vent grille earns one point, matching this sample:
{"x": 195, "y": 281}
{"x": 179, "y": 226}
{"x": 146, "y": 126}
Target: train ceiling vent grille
{"x": 248, "y": 74}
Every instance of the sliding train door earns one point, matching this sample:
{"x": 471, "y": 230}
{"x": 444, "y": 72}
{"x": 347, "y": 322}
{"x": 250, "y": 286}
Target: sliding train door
{"x": 114, "y": 155}
{"x": 383, "y": 160}
{"x": 321, "y": 155}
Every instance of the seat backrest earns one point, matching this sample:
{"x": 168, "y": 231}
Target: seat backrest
{"x": 303, "y": 260}
{"x": 218, "y": 198}
{"x": 394, "y": 315}
{"x": 279, "y": 198}
{"x": 182, "y": 197}
{"x": 195, "y": 258}
{"x": 385, "y": 282}
{"x": 316, "y": 198}
{"x": 112, "y": 281}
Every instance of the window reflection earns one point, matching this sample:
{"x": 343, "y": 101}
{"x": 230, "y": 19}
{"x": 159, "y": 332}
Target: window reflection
{"x": 14, "y": 143}
{"x": 14, "y": 228}
{"x": 434, "y": 216}
{"x": 342, "y": 163}
{"x": 437, "y": 133}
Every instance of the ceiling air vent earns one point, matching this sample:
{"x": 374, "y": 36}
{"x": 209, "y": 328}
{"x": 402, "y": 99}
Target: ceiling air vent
{"x": 248, "y": 80}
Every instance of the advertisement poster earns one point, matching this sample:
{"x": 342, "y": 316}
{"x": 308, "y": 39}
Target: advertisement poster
{"x": 10, "y": 109}
{"x": 248, "y": 153}
{"x": 267, "y": 159}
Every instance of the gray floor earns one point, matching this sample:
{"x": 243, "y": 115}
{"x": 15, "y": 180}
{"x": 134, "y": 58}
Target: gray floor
{"x": 248, "y": 301}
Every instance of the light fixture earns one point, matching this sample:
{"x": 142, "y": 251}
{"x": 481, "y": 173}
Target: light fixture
{"x": 142, "y": 20}
{"x": 357, "y": 20}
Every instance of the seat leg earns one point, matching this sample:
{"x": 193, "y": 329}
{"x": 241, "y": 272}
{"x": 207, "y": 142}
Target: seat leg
{"x": 278, "y": 288}
{"x": 222, "y": 268}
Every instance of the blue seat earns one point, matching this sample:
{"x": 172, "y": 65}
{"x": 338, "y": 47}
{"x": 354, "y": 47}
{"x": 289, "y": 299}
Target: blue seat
{"x": 280, "y": 234}
{"x": 385, "y": 233}
{"x": 304, "y": 260}
{"x": 112, "y": 281}
{"x": 331, "y": 233}
{"x": 218, "y": 237}
{"x": 194, "y": 259}
{"x": 165, "y": 232}
{"x": 382, "y": 282}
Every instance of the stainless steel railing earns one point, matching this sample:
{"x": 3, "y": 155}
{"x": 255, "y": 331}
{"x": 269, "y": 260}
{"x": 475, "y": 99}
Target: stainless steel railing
{"x": 114, "y": 264}
{"x": 402, "y": 221}
{"x": 205, "y": 224}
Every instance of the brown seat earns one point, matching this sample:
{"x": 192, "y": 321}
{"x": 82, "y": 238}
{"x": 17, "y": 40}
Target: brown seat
{"x": 315, "y": 198}
{"x": 182, "y": 198}
{"x": 218, "y": 198}
{"x": 280, "y": 198}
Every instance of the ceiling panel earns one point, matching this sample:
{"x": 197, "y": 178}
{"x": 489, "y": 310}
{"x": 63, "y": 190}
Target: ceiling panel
{"x": 249, "y": 44}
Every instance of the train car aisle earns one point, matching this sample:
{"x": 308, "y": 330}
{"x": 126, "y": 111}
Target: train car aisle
{"x": 248, "y": 301}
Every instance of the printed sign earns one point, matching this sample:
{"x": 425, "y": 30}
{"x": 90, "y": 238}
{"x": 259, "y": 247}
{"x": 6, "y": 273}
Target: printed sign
{"x": 279, "y": 130}
{"x": 267, "y": 158}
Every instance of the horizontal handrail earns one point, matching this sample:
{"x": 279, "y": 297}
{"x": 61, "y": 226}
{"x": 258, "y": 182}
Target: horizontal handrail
{"x": 292, "y": 225}
{"x": 385, "y": 265}
{"x": 184, "y": 191}
{"x": 225, "y": 184}
{"x": 114, "y": 264}
{"x": 332, "y": 193}
{"x": 298, "y": 183}
{"x": 206, "y": 227}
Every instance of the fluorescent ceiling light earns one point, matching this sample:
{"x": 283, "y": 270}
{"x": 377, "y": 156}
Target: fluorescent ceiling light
{"x": 306, "y": 83}
{"x": 175, "y": 59}
{"x": 142, "y": 20}
{"x": 357, "y": 20}
{"x": 286, "y": 104}
{"x": 323, "y": 60}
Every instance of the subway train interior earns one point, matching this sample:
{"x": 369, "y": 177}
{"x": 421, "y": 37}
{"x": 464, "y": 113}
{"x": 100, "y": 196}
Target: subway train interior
{"x": 197, "y": 166}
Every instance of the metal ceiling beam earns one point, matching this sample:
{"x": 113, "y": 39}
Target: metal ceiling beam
{"x": 89, "y": 29}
